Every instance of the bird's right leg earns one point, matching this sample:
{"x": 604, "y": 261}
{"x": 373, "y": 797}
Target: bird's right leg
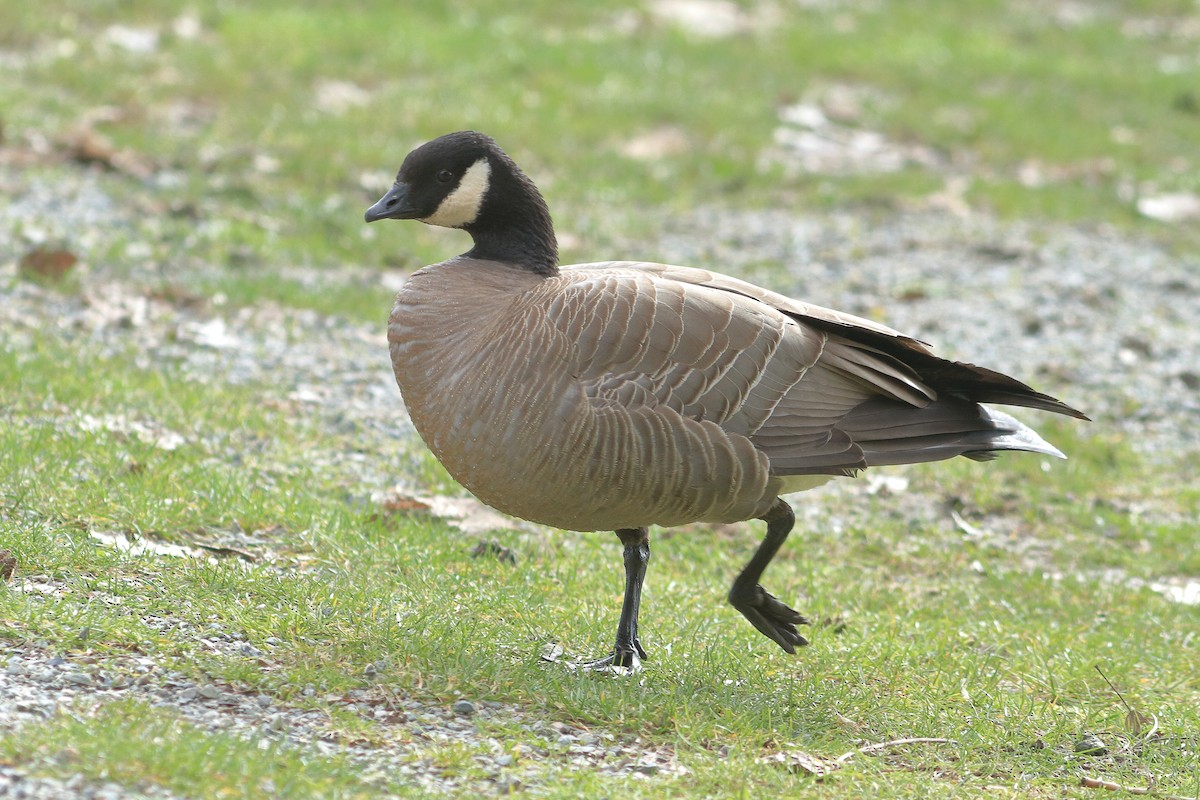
{"x": 774, "y": 619}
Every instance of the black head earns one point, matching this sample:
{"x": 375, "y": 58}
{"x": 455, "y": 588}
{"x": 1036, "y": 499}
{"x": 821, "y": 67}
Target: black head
{"x": 464, "y": 180}
{"x": 442, "y": 182}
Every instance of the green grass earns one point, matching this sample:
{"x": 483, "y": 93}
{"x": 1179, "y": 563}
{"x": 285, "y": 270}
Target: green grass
{"x": 990, "y": 640}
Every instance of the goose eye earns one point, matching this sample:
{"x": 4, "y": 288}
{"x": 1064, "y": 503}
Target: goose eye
{"x": 445, "y": 176}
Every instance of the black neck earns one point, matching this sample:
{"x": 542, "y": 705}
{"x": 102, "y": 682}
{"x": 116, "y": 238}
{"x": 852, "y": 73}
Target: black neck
{"x": 516, "y": 229}
{"x": 534, "y": 248}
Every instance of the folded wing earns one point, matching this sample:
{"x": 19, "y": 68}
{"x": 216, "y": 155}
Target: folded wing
{"x": 817, "y": 391}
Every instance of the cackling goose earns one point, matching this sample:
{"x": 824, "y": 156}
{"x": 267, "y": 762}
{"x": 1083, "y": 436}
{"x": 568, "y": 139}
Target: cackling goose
{"x": 624, "y": 394}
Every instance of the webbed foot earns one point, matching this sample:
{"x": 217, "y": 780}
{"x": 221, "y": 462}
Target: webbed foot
{"x": 773, "y": 618}
{"x": 623, "y": 656}
{"x": 623, "y": 659}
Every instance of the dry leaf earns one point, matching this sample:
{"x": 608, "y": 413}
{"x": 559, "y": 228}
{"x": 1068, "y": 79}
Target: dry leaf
{"x": 224, "y": 550}
{"x": 177, "y": 296}
{"x": 401, "y": 504}
{"x": 8, "y": 565}
{"x": 846, "y": 722}
{"x": 495, "y": 549}
{"x": 88, "y": 146}
{"x": 51, "y": 263}
{"x": 465, "y": 513}
{"x": 1136, "y": 721}
{"x": 469, "y": 515}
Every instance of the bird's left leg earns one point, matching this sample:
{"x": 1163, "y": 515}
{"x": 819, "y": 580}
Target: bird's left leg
{"x": 628, "y": 650}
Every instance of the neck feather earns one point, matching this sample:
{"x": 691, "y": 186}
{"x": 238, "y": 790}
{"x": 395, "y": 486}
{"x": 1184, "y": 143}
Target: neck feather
{"x": 514, "y": 224}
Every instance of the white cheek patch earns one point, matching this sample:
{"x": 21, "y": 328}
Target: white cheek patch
{"x": 461, "y": 206}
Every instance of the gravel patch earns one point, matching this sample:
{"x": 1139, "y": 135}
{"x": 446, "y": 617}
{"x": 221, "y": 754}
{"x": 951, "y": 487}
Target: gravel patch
{"x": 37, "y": 685}
{"x": 19, "y": 784}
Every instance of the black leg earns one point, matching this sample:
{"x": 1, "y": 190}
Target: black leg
{"x": 773, "y": 619}
{"x": 628, "y": 650}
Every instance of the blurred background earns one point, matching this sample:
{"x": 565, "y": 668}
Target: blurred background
{"x": 262, "y": 127}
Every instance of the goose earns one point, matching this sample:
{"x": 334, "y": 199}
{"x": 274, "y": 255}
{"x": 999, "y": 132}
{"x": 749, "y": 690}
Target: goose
{"x": 617, "y": 395}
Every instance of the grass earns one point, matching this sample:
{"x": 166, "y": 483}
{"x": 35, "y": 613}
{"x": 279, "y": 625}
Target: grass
{"x": 991, "y": 640}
